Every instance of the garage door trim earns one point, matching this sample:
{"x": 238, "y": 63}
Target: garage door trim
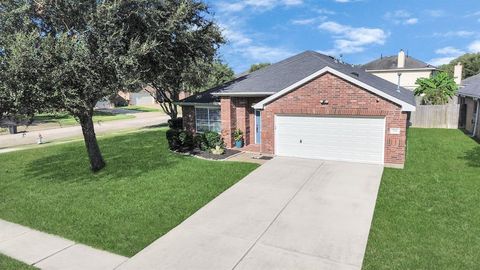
{"x": 383, "y": 118}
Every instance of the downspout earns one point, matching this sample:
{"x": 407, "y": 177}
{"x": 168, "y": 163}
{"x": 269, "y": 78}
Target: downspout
{"x": 476, "y": 121}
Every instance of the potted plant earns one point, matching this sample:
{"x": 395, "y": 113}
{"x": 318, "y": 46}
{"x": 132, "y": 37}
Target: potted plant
{"x": 238, "y": 137}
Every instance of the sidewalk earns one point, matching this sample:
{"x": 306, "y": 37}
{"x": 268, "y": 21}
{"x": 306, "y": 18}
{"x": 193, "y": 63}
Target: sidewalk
{"x": 50, "y": 135}
{"x": 47, "y": 251}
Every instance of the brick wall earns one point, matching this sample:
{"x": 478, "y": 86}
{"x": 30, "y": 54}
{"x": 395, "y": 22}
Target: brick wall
{"x": 344, "y": 99}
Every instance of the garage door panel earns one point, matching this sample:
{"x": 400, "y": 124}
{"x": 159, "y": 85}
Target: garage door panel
{"x": 336, "y": 138}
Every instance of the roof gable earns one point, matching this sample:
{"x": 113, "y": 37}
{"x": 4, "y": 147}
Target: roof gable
{"x": 471, "y": 86}
{"x": 391, "y": 62}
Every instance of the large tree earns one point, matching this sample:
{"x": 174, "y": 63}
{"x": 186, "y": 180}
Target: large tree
{"x": 96, "y": 48}
{"x": 22, "y": 76}
{"x": 470, "y": 62}
{"x": 207, "y": 76}
{"x": 258, "y": 66}
{"x": 183, "y": 53}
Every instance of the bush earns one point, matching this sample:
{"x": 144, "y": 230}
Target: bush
{"x": 210, "y": 140}
{"x": 179, "y": 139}
{"x": 176, "y": 123}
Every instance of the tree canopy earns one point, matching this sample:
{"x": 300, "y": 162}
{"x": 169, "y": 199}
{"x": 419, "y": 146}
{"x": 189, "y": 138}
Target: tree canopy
{"x": 436, "y": 90}
{"x": 258, "y": 66}
{"x": 210, "y": 75}
{"x": 470, "y": 62}
{"x": 78, "y": 52}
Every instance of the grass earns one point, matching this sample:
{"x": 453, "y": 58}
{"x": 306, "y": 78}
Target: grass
{"x": 427, "y": 216}
{"x": 9, "y": 263}
{"x": 140, "y": 108}
{"x": 66, "y": 119}
{"x": 144, "y": 191}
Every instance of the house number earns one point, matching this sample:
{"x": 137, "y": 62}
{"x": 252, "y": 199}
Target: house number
{"x": 395, "y": 131}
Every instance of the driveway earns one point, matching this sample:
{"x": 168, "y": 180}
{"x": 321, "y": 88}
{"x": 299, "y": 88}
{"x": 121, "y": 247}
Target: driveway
{"x": 288, "y": 214}
{"x": 50, "y": 135}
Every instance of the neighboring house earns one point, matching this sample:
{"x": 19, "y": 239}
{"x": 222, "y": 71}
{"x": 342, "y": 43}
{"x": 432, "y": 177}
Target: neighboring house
{"x": 142, "y": 98}
{"x": 400, "y": 68}
{"x": 469, "y": 95}
{"x": 309, "y": 106}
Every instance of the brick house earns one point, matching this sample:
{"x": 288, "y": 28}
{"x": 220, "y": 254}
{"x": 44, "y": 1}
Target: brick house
{"x": 308, "y": 106}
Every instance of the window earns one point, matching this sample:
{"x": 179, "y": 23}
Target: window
{"x": 208, "y": 119}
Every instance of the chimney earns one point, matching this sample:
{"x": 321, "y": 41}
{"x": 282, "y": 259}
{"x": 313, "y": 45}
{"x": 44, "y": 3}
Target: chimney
{"x": 401, "y": 59}
{"x": 458, "y": 73}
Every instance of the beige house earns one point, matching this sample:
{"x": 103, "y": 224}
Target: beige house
{"x": 400, "y": 69}
{"x": 469, "y": 100}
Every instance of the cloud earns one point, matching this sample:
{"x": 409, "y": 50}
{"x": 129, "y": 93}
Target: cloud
{"x": 230, "y": 7}
{"x": 448, "y": 54}
{"x": 435, "y": 13}
{"x": 441, "y": 60}
{"x": 460, "y": 33}
{"x": 449, "y": 50}
{"x": 349, "y": 39}
{"x": 401, "y": 17}
{"x": 411, "y": 21}
{"x": 304, "y": 21}
{"x": 474, "y": 47}
{"x": 248, "y": 50}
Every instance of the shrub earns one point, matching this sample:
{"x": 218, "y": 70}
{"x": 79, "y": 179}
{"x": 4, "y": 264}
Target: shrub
{"x": 176, "y": 123}
{"x": 209, "y": 140}
{"x": 179, "y": 139}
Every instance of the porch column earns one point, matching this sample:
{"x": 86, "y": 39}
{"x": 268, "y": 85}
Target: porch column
{"x": 228, "y": 120}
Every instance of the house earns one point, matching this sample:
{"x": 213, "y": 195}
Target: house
{"x": 469, "y": 95}
{"x": 400, "y": 69}
{"x": 308, "y": 106}
{"x": 144, "y": 97}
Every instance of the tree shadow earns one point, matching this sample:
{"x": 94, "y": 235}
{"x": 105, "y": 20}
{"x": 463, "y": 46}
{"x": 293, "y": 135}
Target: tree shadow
{"x": 127, "y": 156}
{"x": 472, "y": 157}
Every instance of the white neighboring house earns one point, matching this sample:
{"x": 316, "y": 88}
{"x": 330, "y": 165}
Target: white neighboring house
{"x": 400, "y": 69}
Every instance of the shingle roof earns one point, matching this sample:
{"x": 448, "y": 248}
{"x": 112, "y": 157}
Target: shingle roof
{"x": 391, "y": 62}
{"x": 283, "y": 74}
{"x": 471, "y": 86}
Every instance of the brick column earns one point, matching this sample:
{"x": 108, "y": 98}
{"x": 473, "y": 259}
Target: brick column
{"x": 228, "y": 120}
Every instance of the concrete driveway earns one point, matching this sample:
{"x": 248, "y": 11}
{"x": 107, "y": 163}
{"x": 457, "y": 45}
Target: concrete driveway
{"x": 288, "y": 214}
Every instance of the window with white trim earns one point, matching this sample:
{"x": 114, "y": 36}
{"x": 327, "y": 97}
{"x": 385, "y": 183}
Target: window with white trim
{"x": 208, "y": 119}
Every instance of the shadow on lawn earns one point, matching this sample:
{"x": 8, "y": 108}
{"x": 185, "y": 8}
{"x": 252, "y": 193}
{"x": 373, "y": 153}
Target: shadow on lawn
{"x": 126, "y": 157}
{"x": 472, "y": 157}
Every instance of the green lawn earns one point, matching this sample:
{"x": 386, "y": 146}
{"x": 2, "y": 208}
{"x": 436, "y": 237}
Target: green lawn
{"x": 9, "y": 263}
{"x": 428, "y": 215}
{"x": 144, "y": 191}
{"x": 140, "y": 108}
{"x": 66, "y": 119}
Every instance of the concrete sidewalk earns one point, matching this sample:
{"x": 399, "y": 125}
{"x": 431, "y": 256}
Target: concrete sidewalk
{"x": 288, "y": 214}
{"x": 50, "y": 135}
{"x": 47, "y": 251}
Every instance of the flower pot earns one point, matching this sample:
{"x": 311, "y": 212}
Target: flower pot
{"x": 238, "y": 144}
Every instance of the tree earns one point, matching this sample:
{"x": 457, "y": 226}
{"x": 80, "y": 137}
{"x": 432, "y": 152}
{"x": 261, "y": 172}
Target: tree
{"x": 470, "y": 62}
{"x": 258, "y": 66}
{"x": 85, "y": 48}
{"x": 21, "y": 78}
{"x": 183, "y": 51}
{"x": 436, "y": 90}
{"x": 211, "y": 75}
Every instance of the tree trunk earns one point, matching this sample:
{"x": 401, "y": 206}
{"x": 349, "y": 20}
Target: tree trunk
{"x": 96, "y": 160}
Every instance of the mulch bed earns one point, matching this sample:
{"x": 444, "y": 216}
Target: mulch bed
{"x": 208, "y": 155}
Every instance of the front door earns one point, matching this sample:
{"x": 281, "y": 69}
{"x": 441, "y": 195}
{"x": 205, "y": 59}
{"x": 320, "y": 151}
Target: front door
{"x": 258, "y": 127}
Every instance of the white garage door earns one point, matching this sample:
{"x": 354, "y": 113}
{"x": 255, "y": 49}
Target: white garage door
{"x": 142, "y": 98}
{"x": 331, "y": 138}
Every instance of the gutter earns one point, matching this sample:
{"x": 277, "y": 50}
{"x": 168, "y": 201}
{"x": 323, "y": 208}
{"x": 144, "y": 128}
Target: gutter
{"x": 243, "y": 94}
{"x": 196, "y": 104}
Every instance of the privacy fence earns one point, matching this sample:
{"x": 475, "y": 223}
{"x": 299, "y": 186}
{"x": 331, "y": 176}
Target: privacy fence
{"x": 436, "y": 116}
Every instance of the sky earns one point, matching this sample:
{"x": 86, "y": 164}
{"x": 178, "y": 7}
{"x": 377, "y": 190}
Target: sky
{"x": 435, "y": 31}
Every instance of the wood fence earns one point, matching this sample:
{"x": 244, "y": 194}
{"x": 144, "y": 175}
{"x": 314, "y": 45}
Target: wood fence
{"x": 436, "y": 116}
